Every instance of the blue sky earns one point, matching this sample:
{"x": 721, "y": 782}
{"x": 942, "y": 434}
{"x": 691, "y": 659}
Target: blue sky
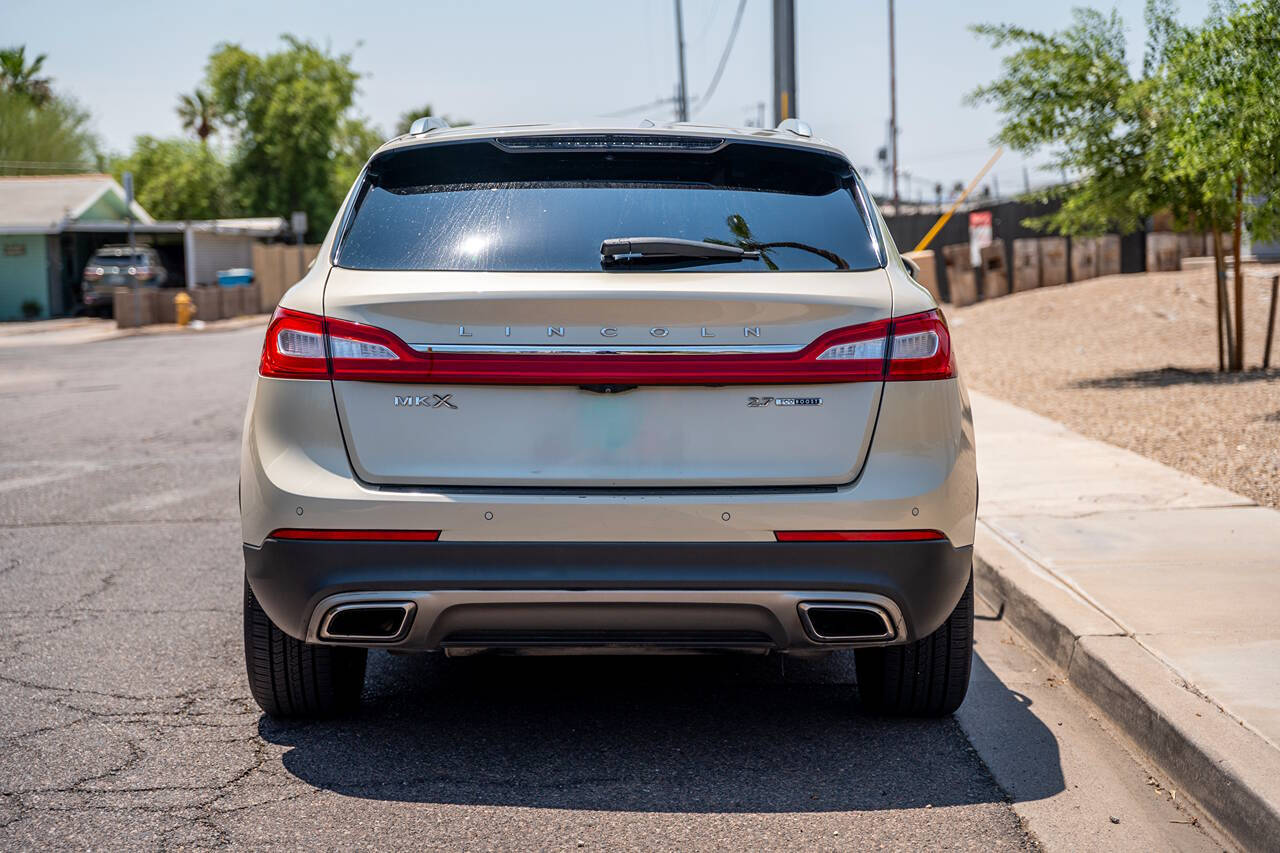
{"x": 503, "y": 61}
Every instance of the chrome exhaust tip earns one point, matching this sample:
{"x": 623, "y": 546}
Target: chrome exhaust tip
{"x": 368, "y": 622}
{"x": 840, "y": 622}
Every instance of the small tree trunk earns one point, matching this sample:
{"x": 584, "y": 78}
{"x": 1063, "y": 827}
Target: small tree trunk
{"x": 1237, "y": 361}
{"x": 1222, "y": 316}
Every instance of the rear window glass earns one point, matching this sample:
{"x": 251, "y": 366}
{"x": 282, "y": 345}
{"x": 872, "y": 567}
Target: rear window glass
{"x": 478, "y": 206}
{"x": 116, "y": 260}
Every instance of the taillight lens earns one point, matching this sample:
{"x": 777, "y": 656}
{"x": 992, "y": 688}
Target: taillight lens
{"x": 305, "y": 346}
{"x": 357, "y": 351}
{"x": 921, "y": 348}
{"x": 294, "y": 347}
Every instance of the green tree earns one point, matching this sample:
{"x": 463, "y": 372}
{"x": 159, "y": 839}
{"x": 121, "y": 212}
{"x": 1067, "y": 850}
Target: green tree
{"x": 19, "y": 76}
{"x": 1185, "y": 135}
{"x": 53, "y": 137}
{"x": 1219, "y": 131}
{"x": 356, "y": 139}
{"x": 286, "y": 111}
{"x": 1070, "y": 93}
{"x": 198, "y": 114}
{"x": 179, "y": 179}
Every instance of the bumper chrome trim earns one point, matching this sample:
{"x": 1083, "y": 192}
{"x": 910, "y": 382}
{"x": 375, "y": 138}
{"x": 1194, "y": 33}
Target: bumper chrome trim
{"x": 777, "y": 613}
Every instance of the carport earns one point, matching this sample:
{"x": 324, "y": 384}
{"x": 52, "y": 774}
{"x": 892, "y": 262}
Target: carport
{"x": 192, "y": 251}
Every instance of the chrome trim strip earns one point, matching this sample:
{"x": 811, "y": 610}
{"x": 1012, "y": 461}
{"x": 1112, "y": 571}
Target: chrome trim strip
{"x": 791, "y": 632}
{"x": 639, "y": 349}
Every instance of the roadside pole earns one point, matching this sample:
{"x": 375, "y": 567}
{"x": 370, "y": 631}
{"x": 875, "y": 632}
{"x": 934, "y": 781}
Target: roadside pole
{"x": 1271, "y": 323}
{"x": 298, "y": 222}
{"x": 128, "y": 203}
{"x": 682, "y": 96}
{"x": 784, "y": 60}
{"x": 893, "y": 109}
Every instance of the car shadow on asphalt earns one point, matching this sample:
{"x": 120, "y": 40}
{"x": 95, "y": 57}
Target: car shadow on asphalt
{"x": 654, "y": 734}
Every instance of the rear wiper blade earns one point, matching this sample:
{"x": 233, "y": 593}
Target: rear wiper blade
{"x": 671, "y": 247}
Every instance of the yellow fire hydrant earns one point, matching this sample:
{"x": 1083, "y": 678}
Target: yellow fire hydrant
{"x": 183, "y": 308}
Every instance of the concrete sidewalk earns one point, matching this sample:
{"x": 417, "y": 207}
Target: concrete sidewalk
{"x": 1158, "y": 595}
{"x": 87, "y": 330}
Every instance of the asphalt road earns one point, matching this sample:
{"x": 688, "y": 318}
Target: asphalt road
{"x": 126, "y": 722}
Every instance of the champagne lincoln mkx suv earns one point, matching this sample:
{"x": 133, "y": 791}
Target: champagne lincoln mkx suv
{"x": 570, "y": 388}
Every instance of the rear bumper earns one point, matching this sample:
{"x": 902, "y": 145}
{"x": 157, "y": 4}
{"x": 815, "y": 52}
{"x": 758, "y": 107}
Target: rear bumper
{"x": 705, "y": 592}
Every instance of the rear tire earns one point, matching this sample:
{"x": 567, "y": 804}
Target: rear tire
{"x": 290, "y": 678}
{"x": 927, "y": 678}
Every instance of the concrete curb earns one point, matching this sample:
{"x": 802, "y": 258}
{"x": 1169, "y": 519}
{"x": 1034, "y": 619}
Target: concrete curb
{"x": 1229, "y": 770}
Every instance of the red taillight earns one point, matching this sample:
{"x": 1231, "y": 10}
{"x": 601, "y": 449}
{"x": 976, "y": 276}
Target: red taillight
{"x": 305, "y": 346}
{"x": 357, "y": 535}
{"x": 921, "y": 348}
{"x": 857, "y": 535}
{"x": 294, "y": 347}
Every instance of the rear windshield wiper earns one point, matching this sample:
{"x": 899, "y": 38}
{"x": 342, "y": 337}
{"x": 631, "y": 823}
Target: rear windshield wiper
{"x": 671, "y": 247}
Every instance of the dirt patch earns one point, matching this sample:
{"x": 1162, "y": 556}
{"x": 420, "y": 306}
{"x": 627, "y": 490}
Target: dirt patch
{"x": 1132, "y": 360}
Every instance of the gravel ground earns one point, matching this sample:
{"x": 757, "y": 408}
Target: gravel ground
{"x": 1132, "y": 360}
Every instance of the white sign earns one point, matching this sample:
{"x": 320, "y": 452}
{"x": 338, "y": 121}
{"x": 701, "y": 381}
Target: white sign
{"x": 981, "y": 233}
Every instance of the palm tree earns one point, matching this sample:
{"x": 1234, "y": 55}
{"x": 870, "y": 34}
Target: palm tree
{"x": 198, "y": 114}
{"x": 16, "y": 75}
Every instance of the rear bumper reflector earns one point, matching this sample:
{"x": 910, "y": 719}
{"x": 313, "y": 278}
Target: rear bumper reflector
{"x": 857, "y": 535}
{"x": 357, "y": 535}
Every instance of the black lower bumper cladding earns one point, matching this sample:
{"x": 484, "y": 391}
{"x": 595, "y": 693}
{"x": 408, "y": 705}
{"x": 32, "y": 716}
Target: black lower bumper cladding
{"x": 925, "y": 579}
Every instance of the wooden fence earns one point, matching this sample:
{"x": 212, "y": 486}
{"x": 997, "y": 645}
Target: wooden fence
{"x": 277, "y": 267}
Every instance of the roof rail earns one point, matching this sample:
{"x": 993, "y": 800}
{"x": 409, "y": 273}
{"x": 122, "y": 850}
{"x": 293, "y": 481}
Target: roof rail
{"x": 796, "y": 126}
{"x": 426, "y": 124}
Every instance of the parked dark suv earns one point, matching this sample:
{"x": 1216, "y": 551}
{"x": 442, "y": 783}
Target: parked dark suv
{"x": 120, "y": 266}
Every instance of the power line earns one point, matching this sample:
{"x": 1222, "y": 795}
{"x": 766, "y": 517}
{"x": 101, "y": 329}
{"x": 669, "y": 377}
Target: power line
{"x": 661, "y": 102}
{"x": 706, "y": 27}
{"x": 724, "y": 57}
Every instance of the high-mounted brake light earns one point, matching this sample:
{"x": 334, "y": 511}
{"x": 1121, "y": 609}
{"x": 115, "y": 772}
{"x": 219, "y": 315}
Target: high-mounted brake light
{"x": 305, "y": 346}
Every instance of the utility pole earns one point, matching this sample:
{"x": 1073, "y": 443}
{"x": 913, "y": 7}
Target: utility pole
{"x": 784, "y": 60}
{"x": 682, "y": 94}
{"x": 128, "y": 203}
{"x": 893, "y": 107}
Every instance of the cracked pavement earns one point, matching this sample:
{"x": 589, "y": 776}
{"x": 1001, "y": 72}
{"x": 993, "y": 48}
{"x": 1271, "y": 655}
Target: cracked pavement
{"x": 127, "y": 721}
